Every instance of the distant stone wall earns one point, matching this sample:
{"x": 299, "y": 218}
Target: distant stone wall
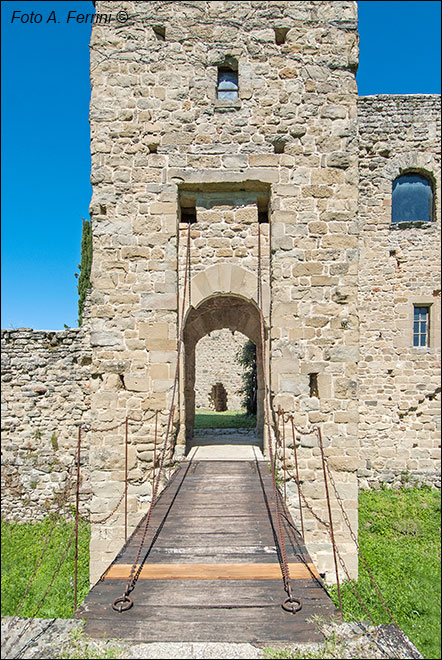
{"x": 399, "y": 426}
{"x": 45, "y": 395}
{"x": 216, "y": 362}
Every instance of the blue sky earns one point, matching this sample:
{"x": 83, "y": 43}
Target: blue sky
{"x": 45, "y": 137}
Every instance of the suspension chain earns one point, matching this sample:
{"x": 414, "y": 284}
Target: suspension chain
{"x": 125, "y": 602}
{"x": 290, "y": 604}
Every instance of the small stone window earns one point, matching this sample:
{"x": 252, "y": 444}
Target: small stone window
{"x": 281, "y": 35}
{"x": 421, "y": 328}
{"x": 314, "y": 385}
{"x": 263, "y": 211}
{"x": 160, "y": 32}
{"x": 228, "y": 83}
{"x": 188, "y": 211}
{"x": 412, "y": 199}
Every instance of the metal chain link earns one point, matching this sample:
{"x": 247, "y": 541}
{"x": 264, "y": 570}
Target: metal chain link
{"x": 290, "y": 604}
{"x": 124, "y": 602}
{"x": 361, "y": 556}
{"x": 347, "y": 522}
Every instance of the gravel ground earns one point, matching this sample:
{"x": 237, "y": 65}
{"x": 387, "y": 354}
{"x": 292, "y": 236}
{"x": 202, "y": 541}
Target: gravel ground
{"x": 63, "y": 638}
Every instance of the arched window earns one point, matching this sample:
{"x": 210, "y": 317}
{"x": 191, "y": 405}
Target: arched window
{"x": 412, "y": 199}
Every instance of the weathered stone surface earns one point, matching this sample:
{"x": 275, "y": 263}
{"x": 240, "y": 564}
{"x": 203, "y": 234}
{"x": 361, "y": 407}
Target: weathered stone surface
{"x": 40, "y": 418}
{"x": 400, "y": 268}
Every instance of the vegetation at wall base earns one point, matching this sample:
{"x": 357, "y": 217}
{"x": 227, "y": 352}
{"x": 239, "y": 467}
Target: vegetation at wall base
{"x": 399, "y": 536}
{"x": 84, "y": 281}
{"x": 21, "y": 546}
{"x": 231, "y": 419}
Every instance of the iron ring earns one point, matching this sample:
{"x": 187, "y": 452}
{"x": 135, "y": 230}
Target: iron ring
{"x": 292, "y": 605}
{"x": 122, "y": 604}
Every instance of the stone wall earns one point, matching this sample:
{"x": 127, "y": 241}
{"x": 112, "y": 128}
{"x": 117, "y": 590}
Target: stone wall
{"x": 216, "y": 362}
{"x": 45, "y": 397}
{"x": 400, "y": 267}
{"x": 281, "y": 158}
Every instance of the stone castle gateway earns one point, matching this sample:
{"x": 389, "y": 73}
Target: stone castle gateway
{"x": 242, "y": 120}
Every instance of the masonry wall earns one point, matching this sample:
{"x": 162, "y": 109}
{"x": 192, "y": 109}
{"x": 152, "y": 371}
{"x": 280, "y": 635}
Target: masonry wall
{"x": 45, "y": 397}
{"x": 160, "y": 136}
{"x": 216, "y": 361}
{"x": 400, "y": 267}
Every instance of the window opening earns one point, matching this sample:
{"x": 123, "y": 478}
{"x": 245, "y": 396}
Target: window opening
{"x": 153, "y": 148}
{"x": 188, "y": 212}
{"x": 228, "y": 83}
{"x": 281, "y": 35}
{"x": 412, "y": 199}
{"x": 421, "y": 327}
{"x": 263, "y": 211}
{"x": 160, "y": 32}
{"x": 314, "y": 386}
{"x": 279, "y": 146}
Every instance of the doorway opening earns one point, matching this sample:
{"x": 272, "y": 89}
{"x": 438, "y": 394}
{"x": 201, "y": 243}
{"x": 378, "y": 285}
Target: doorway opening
{"x": 213, "y": 318}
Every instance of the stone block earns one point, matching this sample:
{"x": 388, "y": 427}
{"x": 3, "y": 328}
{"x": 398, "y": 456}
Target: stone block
{"x": 137, "y": 383}
{"x": 155, "y": 401}
{"x": 346, "y": 417}
{"x": 104, "y": 339}
{"x": 343, "y": 354}
{"x": 343, "y": 463}
{"x": 310, "y": 268}
{"x": 340, "y": 241}
{"x": 159, "y": 371}
{"x": 160, "y": 301}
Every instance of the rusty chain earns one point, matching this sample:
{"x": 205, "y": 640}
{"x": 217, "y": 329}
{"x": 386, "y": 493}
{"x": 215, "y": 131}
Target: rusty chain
{"x": 124, "y": 602}
{"x": 347, "y": 522}
{"x": 291, "y": 604}
{"x": 360, "y": 554}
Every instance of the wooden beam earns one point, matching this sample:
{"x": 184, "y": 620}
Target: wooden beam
{"x": 298, "y": 571}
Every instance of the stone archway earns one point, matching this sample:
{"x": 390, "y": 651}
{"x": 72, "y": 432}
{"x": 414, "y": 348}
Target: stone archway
{"x": 215, "y": 313}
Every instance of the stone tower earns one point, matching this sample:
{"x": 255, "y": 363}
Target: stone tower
{"x": 238, "y": 118}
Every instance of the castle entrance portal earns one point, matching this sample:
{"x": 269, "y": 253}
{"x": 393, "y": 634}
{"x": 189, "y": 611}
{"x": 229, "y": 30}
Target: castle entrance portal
{"x": 216, "y": 313}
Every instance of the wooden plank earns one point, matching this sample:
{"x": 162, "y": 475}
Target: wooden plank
{"x": 297, "y": 571}
{"x": 220, "y": 594}
{"x": 250, "y": 624}
{"x": 195, "y": 555}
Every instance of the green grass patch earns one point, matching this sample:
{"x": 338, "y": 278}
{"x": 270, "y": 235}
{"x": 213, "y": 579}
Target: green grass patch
{"x": 21, "y": 546}
{"x": 231, "y": 419}
{"x": 399, "y": 536}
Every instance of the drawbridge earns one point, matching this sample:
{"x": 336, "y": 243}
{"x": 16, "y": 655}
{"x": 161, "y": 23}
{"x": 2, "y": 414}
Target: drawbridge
{"x": 212, "y": 567}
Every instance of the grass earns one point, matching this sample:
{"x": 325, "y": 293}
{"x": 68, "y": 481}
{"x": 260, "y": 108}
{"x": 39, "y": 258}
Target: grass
{"x": 80, "y": 648}
{"x": 231, "y": 419}
{"x": 399, "y": 535}
{"x": 21, "y": 546}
